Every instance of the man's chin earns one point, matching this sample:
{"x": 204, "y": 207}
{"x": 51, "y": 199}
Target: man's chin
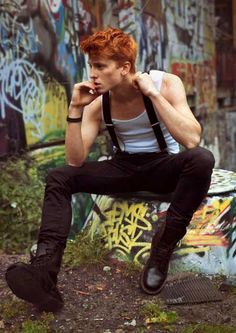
{"x": 101, "y": 90}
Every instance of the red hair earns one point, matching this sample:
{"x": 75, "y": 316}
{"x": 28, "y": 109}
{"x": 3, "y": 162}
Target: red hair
{"x": 112, "y": 43}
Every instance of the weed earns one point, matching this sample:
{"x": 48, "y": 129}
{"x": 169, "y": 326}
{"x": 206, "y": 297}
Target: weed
{"x": 140, "y": 330}
{"x": 131, "y": 267}
{"x": 15, "y": 309}
{"x": 209, "y": 328}
{"x": 84, "y": 250}
{"x": 21, "y": 194}
{"x": 12, "y": 308}
{"x": 233, "y": 290}
{"x": 38, "y": 326}
{"x": 155, "y": 315}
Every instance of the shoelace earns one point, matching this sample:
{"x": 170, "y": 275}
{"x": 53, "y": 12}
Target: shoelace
{"x": 43, "y": 259}
{"x": 161, "y": 255}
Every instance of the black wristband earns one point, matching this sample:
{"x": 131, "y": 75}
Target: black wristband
{"x": 73, "y": 120}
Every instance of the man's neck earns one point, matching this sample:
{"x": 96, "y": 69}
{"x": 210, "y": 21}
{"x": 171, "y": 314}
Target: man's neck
{"x": 125, "y": 92}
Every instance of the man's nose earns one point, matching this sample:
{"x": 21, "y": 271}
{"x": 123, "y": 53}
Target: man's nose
{"x": 93, "y": 74}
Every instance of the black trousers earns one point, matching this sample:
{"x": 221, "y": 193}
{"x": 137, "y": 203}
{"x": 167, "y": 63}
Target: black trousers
{"x": 187, "y": 174}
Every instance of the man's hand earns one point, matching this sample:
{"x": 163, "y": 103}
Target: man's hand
{"x": 83, "y": 94}
{"x": 144, "y": 83}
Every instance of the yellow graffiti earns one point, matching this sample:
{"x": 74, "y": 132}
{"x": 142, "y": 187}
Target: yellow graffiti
{"x": 46, "y": 155}
{"x": 55, "y": 107}
{"x": 205, "y": 228}
{"x": 186, "y": 251}
{"x": 122, "y": 224}
{"x": 52, "y": 117}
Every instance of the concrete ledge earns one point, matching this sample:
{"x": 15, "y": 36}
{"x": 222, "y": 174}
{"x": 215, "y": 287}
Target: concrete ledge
{"x": 209, "y": 246}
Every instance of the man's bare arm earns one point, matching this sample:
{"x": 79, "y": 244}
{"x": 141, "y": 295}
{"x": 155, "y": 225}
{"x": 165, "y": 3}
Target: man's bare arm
{"x": 81, "y": 135}
{"x": 174, "y": 111}
{"x": 172, "y": 107}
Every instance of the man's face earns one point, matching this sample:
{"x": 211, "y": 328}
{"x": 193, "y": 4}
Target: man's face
{"x": 104, "y": 73}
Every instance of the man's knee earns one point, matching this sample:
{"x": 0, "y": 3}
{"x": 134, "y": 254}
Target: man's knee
{"x": 203, "y": 159}
{"x": 57, "y": 176}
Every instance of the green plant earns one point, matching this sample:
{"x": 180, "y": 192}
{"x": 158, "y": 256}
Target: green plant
{"x": 209, "y": 328}
{"x": 10, "y": 309}
{"x": 21, "y": 194}
{"x": 38, "y": 326}
{"x": 84, "y": 250}
{"x": 140, "y": 330}
{"x": 155, "y": 315}
{"x": 132, "y": 267}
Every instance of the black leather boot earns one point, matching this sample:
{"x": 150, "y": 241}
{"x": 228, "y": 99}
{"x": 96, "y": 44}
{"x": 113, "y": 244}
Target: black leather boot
{"x": 155, "y": 271}
{"x": 36, "y": 282}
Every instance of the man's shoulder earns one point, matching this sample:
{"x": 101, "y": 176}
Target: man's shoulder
{"x": 171, "y": 84}
{"x": 171, "y": 78}
{"x": 167, "y": 77}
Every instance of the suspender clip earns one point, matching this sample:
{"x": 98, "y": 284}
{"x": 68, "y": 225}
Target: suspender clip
{"x": 155, "y": 124}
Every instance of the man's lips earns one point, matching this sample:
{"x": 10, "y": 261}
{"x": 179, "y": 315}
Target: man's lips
{"x": 96, "y": 87}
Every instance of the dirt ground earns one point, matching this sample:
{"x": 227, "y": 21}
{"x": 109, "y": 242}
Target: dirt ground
{"x": 106, "y": 298}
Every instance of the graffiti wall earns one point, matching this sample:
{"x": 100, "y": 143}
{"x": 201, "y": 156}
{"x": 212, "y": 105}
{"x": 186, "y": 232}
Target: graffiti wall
{"x": 128, "y": 226}
{"x": 40, "y": 58}
{"x": 191, "y": 49}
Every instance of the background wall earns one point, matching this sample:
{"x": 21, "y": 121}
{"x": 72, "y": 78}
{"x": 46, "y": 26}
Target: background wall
{"x": 41, "y": 59}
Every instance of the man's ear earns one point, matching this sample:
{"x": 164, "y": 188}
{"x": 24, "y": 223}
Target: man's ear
{"x": 126, "y": 66}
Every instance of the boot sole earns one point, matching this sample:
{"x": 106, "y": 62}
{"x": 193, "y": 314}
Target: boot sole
{"x": 26, "y": 286}
{"x": 148, "y": 291}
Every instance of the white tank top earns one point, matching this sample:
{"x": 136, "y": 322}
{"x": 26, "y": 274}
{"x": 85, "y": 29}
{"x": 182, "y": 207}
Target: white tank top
{"x": 136, "y": 135}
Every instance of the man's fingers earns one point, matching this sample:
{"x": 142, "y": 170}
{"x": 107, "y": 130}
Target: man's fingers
{"x": 135, "y": 80}
{"x": 92, "y": 91}
{"x": 138, "y": 73}
{"x": 84, "y": 85}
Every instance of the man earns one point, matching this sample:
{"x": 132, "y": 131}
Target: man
{"x": 147, "y": 158}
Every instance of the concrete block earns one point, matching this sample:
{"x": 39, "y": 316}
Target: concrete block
{"x": 209, "y": 247}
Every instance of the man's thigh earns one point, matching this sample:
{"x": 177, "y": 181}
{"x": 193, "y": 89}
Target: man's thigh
{"x": 167, "y": 172}
{"x": 103, "y": 177}
{"x": 160, "y": 176}
{"x": 164, "y": 173}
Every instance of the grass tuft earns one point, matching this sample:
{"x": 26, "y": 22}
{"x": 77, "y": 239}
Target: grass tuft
{"x": 10, "y": 309}
{"x": 155, "y": 315}
{"x": 131, "y": 267}
{"x": 39, "y": 326}
{"x": 84, "y": 250}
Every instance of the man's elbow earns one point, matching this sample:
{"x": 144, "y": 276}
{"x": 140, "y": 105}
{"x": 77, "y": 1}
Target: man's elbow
{"x": 193, "y": 142}
{"x": 75, "y": 162}
{"x": 77, "y": 165}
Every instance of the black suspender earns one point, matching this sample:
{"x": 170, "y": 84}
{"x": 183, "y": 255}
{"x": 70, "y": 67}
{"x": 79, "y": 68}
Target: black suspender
{"x": 108, "y": 121}
{"x": 151, "y": 114}
{"x": 155, "y": 123}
